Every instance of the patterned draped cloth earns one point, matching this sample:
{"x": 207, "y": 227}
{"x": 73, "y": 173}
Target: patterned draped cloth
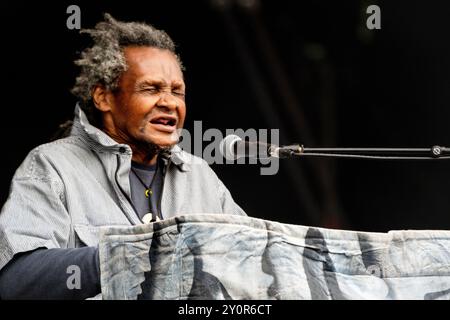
{"x": 210, "y": 256}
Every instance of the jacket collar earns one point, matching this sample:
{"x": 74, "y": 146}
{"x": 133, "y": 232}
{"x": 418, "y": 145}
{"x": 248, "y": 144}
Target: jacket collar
{"x": 101, "y": 142}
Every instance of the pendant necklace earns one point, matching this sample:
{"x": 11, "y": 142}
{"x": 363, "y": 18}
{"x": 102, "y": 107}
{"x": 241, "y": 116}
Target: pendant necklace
{"x": 149, "y": 217}
{"x": 148, "y": 189}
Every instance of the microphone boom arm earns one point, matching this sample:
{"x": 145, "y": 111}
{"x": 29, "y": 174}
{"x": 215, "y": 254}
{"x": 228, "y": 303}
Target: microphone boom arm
{"x": 297, "y": 150}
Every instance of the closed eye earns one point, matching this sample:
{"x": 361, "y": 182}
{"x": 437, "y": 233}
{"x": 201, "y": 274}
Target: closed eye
{"x": 179, "y": 93}
{"x": 150, "y": 89}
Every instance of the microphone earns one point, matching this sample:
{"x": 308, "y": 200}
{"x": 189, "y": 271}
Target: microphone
{"x": 232, "y": 147}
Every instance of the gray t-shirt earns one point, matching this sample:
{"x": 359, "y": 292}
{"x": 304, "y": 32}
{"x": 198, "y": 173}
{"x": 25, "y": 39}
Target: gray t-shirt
{"x": 143, "y": 178}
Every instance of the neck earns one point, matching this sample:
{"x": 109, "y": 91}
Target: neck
{"x": 143, "y": 152}
{"x": 146, "y": 155}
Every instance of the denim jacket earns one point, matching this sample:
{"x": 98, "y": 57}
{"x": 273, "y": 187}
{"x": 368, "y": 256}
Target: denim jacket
{"x": 66, "y": 190}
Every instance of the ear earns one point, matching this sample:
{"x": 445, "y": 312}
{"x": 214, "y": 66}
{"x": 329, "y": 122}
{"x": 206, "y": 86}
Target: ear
{"x": 103, "y": 98}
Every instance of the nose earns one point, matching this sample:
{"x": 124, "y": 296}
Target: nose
{"x": 167, "y": 101}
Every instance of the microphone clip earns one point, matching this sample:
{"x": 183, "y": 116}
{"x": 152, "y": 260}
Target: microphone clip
{"x": 288, "y": 151}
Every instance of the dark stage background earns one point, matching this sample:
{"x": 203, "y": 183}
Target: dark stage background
{"x": 310, "y": 68}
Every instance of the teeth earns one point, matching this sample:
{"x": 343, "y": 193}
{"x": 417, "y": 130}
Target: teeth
{"x": 163, "y": 121}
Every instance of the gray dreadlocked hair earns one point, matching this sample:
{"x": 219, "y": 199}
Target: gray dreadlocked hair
{"x": 104, "y": 62}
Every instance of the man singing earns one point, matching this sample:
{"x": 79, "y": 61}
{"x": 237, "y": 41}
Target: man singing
{"x": 119, "y": 166}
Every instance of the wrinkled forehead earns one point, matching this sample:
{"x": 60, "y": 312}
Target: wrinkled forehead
{"x": 152, "y": 63}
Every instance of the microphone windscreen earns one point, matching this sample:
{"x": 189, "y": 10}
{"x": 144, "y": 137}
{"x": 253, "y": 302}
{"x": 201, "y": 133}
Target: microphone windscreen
{"x": 226, "y": 146}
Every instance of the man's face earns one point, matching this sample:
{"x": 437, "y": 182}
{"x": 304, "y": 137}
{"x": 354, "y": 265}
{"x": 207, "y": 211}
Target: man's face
{"x": 149, "y": 105}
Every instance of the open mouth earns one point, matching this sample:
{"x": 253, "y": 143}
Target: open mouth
{"x": 164, "y": 123}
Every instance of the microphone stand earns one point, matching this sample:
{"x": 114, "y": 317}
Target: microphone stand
{"x": 296, "y": 150}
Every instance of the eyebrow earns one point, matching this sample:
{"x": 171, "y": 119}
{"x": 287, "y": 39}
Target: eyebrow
{"x": 158, "y": 82}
